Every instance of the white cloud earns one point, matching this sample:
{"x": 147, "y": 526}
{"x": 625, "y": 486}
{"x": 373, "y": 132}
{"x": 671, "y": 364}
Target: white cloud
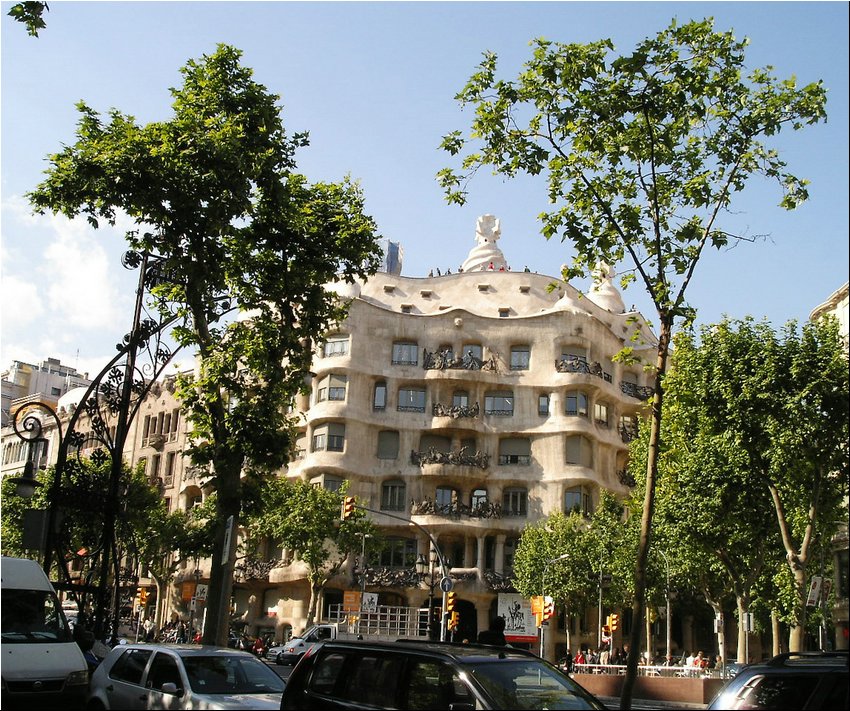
{"x": 22, "y": 303}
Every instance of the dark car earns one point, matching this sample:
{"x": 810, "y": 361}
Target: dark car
{"x": 796, "y": 680}
{"x": 429, "y": 675}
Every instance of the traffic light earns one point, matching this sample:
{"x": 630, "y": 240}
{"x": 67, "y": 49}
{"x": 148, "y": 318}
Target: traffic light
{"x": 143, "y": 596}
{"x": 615, "y": 622}
{"x": 348, "y": 508}
{"x": 607, "y": 622}
{"x": 454, "y": 620}
{"x": 548, "y": 608}
{"x": 450, "y": 601}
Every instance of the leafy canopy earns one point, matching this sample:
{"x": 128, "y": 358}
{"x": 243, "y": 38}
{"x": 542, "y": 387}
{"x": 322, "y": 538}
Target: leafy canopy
{"x": 642, "y": 152}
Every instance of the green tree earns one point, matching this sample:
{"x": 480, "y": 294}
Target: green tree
{"x": 771, "y": 413}
{"x": 216, "y": 197}
{"x": 642, "y": 155}
{"x": 306, "y": 519}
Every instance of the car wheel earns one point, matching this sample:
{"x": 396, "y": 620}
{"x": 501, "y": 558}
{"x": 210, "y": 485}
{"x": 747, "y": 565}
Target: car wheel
{"x": 95, "y": 705}
{"x": 278, "y": 660}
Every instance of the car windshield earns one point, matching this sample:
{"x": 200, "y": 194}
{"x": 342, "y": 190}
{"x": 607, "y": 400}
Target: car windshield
{"x": 231, "y": 675}
{"x": 528, "y": 684}
{"x": 32, "y": 616}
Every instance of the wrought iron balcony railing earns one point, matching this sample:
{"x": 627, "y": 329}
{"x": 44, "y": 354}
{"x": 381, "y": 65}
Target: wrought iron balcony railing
{"x": 641, "y": 392}
{"x": 459, "y": 458}
{"x": 579, "y": 365}
{"x": 456, "y": 509}
{"x": 455, "y": 411}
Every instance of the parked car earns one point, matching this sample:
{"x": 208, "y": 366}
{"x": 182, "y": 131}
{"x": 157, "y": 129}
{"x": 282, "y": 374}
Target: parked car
{"x": 795, "y": 680}
{"x": 429, "y": 675}
{"x": 275, "y": 653}
{"x": 155, "y": 676}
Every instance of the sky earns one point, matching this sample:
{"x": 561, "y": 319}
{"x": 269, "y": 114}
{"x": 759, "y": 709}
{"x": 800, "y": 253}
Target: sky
{"x": 374, "y": 84}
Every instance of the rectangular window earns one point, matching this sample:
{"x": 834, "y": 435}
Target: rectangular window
{"x": 411, "y": 400}
{"x": 393, "y": 496}
{"x": 520, "y": 357}
{"x": 460, "y": 399}
{"x": 500, "y": 404}
{"x": 169, "y": 468}
{"x": 600, "y": 414}
{"x": 330, "y": 437}
{"x": 398, "y": 553}
{"x": 515, "y": 502}
{"x": 577, "y": 500}
{"x": 515, "y": 450}
{"x": 405, "y": 353}
{"x": 388, "y": 444}
{"x": 331, "y": 387}
{"x": 543, "y": 405}
{"x": 335, "y": 346}
{"x": 380, "y": 400}
{"x": 579, "y": 451}
{"x": 576, "y": 404}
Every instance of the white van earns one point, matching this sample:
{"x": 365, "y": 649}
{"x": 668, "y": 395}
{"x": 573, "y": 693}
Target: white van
{"x": 41, "y": 664}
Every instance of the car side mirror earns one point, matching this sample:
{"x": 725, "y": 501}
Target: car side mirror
{"x": 169, "y": 687}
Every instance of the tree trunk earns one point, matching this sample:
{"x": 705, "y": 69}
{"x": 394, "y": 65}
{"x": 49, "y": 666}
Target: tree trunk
{"x": 777, "y": 633}
{"x": 638, "y": 605}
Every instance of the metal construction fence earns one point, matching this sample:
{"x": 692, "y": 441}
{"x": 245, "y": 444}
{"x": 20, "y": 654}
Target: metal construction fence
{"x": 384, "y": 621}
{"x": 659, "y": 671}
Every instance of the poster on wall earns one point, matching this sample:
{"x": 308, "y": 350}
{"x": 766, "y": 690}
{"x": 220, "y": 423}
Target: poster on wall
{"x": 519, "y": 622}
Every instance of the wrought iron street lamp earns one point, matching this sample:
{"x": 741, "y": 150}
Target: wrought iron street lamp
{"x": 428, "y": 568}
{"x": 110, "y": 403}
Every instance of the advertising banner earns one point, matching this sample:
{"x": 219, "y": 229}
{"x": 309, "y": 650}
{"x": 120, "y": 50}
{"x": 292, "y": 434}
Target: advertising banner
{"x": 519, "y": 622}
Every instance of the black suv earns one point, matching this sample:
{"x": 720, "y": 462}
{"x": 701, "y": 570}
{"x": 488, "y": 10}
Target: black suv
{"x": 796, "y": 680}
{"x": 429, "y": 675}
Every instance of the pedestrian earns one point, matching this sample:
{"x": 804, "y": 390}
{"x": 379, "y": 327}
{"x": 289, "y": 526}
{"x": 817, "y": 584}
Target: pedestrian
{"x": 495, "y": 634}
{"x": 148, "y": 625}
{"x": 568, "y": 662}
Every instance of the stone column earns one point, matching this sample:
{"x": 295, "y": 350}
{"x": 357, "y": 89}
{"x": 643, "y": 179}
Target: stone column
{"x": 499, "y": 562}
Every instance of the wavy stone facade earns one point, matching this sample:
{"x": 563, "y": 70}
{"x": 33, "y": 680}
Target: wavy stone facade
{"x": 476, "y": 403}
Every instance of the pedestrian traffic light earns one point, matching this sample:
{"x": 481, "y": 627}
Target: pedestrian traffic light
{"x": 454, "y": 620}
{"x": 348, "y": 508}
{"x": 615, "y": 622}
{"x": 548, "y": 607}
{"x": 450, "y": 601}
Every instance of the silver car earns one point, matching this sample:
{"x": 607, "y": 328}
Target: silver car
{"x": 159, "y": 676}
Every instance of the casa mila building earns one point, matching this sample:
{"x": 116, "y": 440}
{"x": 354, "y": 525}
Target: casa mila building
{"x": 474, "y": 403}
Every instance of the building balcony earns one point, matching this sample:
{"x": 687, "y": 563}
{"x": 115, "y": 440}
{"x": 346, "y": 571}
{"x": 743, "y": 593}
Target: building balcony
{"x": 455, "y": 510}
{"x": 460, "y": 458}
{"x": 579, "y": 365}
{"x": 455, "y": 411}
{"x": 640, "y": 392}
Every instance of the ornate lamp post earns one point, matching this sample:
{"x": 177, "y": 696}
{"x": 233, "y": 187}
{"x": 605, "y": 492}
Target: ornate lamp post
{"x": 667, "y": 596}
{"x": 428, "y": 568}
{"x": 110, "y": 404}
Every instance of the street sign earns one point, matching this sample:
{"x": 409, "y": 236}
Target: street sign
{"x": 201, "y": 592}
{"x": 446, "y": 584}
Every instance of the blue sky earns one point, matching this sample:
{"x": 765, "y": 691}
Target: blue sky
{"x": 374, "y": 83}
